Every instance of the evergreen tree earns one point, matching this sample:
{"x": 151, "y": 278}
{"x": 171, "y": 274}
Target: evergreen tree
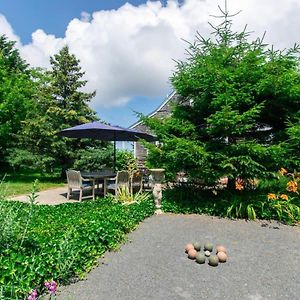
{"x": 237, "y": 98}
{"x": 11, "y": 58}
{"x": 70, "y": 103}
{"x": 60, "y": 103}
{"x": 66, "y": 89}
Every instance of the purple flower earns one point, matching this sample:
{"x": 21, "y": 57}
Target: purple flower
{"x": 32, "y": 295}
{"x": 51, "y": 286}
{"x": 47, "y": 285}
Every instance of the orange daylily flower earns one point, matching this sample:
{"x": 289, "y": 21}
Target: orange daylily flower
{"x": 271, "y": 196}
{"x": 292, "y": 186}
{"x": 239, "y": 184}
{"x": 282, "y": 171}
{"x": 284, "y": 197}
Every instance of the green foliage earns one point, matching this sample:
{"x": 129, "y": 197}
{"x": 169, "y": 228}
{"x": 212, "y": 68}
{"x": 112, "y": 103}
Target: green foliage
{"x": 237, "y": 113}
{"x": 293, "y": 144}
{"x": 16, "y": 94}
{"x": 126, "y": 196}
{"x": 8, "y": 227}
{"x": 59, "y": 103}
{"x": 66, "y": 89}
{"x": 12, "y": 229}
{"x": 36, "y": 104}
{"x": 247, "y": 205}
{"x": 10, "y": 56}
{"x": 94, "y": 158}
{"x": 22, "y": 158}
{"x": 63, "y": 241}
{"x": 125, "y": 161}
{"x": 283, "y": 210}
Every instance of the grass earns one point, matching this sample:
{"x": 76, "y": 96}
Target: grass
{"x": 21, "y": 183}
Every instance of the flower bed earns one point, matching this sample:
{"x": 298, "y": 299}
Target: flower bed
{"x": 277, "y": 198}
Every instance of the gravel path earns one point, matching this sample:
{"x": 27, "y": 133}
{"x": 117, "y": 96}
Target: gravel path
{"x": 264, "y": 263}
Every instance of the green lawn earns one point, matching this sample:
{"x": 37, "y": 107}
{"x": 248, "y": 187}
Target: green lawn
{"x": 21, "y": 183}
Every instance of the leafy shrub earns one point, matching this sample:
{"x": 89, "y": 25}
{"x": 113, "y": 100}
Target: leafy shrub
{"x": 64, "y": 241}
{"x": 249, "y": 204}
{"x": 125, "y": 160}
{"x": 94, "y": 159}
{"x": 20, "y": 158}
{"x": 126, "y": 196}
{"x": 189, "y": 198}
{"x": 13, "y": 224}
{"x": 293, "y": 144}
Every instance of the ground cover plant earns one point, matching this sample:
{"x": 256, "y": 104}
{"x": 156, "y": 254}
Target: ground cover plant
{"x": 45, "y": 243}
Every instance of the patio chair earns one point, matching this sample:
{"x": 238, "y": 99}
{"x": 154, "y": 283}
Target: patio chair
{"x": 120, "y": 181}
{"x": 76, "y": 181}
{"x": 136, "y": 182}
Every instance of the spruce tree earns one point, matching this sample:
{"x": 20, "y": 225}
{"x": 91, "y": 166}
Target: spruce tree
{"x": 66, "y": 89}
{"x": 237, "y": 99}
{"x": 59, "y": 103}
{"x": 11, "y": 56}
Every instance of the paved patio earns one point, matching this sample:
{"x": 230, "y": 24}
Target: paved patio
{"x": 51, "y": 197}
{"x": 263, "y": 263}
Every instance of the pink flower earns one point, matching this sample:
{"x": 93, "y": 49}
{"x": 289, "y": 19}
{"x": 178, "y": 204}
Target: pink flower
{"x": 32, "y": 295}
{"x": 51, "y": 286}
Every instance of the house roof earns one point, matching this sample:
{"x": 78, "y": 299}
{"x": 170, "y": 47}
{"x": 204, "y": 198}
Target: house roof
{"x": 169, "y": 97}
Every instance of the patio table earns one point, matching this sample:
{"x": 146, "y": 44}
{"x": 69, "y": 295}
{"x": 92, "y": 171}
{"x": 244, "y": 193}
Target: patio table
{"x": 99, "y": 175}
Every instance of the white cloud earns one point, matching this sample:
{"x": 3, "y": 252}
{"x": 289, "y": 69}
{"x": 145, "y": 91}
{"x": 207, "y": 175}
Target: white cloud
{"x": 85, "y": 16}
{"x": 129, "y": 51}
{"x": 42, "y": 47}
{"x": 280, "y": 19}
{"x": 5, "y": 28}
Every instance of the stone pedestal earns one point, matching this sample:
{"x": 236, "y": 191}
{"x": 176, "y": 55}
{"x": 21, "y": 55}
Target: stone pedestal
{"x": 157, "y": 177}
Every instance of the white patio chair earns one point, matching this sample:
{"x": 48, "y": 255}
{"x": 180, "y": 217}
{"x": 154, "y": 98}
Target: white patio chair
{"x": 75, "y": 181}
{"x": 120, "y": 181}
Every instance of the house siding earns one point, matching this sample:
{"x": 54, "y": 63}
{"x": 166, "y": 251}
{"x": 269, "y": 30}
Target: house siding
{"x": 163, "y": 111}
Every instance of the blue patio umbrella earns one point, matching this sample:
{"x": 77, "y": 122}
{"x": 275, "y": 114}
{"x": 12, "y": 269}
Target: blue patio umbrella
{"x": 104, "y": 132}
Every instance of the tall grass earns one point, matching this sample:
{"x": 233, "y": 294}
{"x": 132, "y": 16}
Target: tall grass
{"x": 13, "y": 227}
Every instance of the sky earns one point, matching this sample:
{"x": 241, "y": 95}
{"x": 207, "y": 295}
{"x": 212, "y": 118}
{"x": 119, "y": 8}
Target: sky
{"x": 128, "y": 49}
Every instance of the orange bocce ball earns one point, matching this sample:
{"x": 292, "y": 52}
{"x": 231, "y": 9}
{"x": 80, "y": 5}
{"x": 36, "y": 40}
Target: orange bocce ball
{"x": 189, "y": 247}
{"x": 221, "y": 249}
{"x": 192, "y": 253}
{"x": 222, "y": 256}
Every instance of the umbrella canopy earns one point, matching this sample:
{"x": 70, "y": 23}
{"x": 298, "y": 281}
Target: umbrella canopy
{"x": 104, "y": 132}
